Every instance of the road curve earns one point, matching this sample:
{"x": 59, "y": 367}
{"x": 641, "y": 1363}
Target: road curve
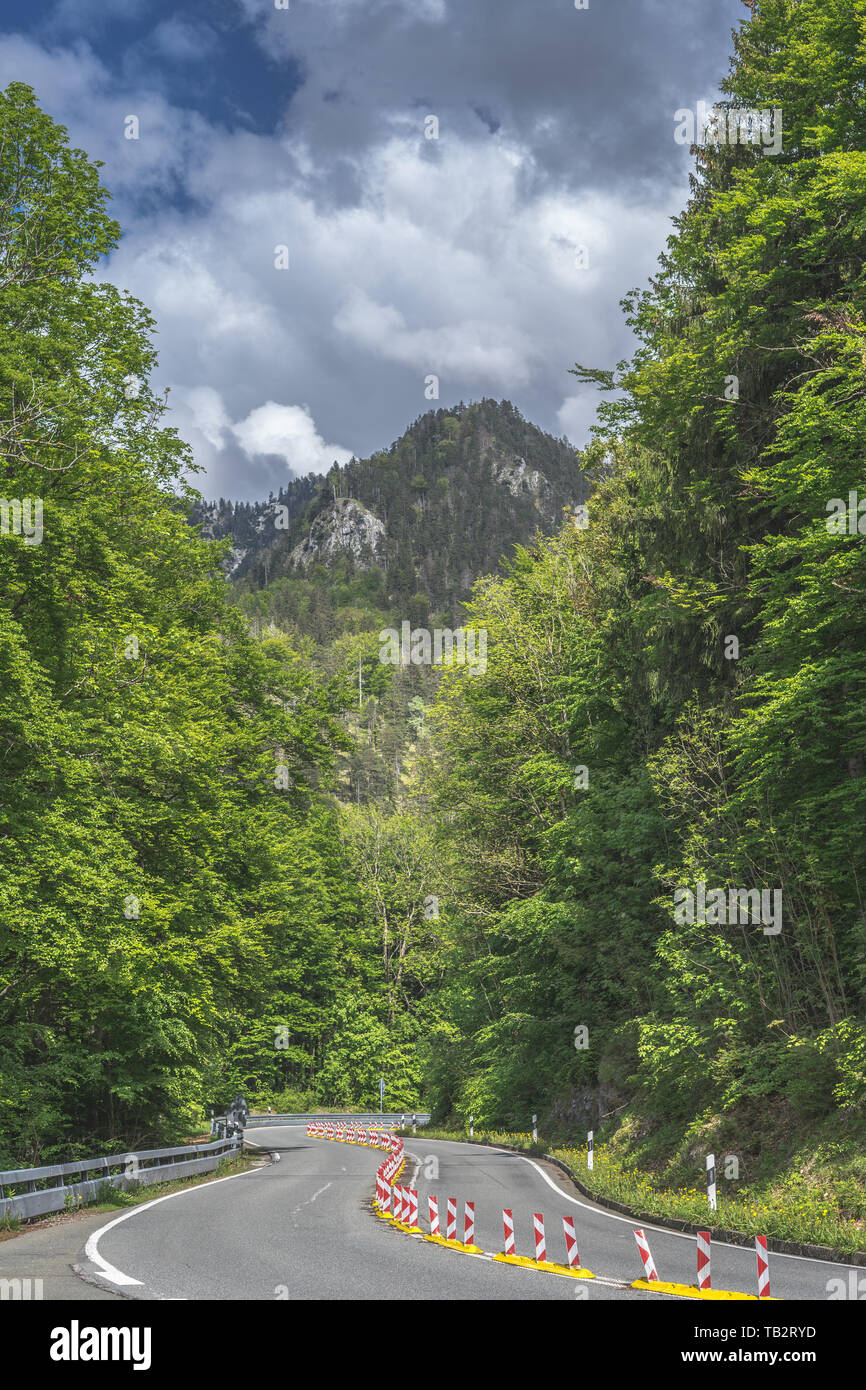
{"x": 303, "y": 1227}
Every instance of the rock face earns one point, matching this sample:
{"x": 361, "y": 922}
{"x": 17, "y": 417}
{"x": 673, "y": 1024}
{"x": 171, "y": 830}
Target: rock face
{"x": 585, "y": 1107}
{"x": 345, "y": 528}
{"x": 521, "y": 480}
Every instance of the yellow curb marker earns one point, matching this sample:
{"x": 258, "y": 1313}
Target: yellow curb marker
{"x": 526, "y": 1263}
{"x": 456, "y": 1245}
{"x": 691, "y": 1291}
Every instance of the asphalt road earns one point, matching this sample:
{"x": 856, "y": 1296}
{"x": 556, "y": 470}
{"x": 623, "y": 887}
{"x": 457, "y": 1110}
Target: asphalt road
{"x": 303, "y": 1227}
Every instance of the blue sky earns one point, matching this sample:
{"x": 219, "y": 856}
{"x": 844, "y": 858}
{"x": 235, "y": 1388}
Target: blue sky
{"x": 492, "y": 257}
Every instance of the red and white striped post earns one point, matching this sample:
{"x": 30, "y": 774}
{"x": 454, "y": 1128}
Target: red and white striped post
{"x": 540, "y": 1250}
{"x": 379, "y": 1191}
{"x": 451, "y": 1219}
{"x": 433, "y": 1204}
{"x": 413, "y": 1208}
{"x": 386, "y": 1203}
{"x": 704, "y": 1260}
{"x": 763, "y": 1267}
{"x": 570, "y": 1242}
{"x": 404, "y": 1207}
{"x": 508, "y": 1223}
{"x": 469, "y": 1223}
{"x": 643, "y": 1247}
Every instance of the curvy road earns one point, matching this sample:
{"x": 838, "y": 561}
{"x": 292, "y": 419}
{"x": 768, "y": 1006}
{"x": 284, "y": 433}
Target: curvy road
{"x": 303, "y": 1226}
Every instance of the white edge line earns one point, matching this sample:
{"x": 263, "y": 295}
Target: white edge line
{"x": 116, "y": 1276}
{"x": 661, "y": 1230}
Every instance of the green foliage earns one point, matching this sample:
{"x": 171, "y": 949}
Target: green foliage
{"x": 608, "y": 650}
{"x": 613, "y": 750}
{"x": 150, "y": 873}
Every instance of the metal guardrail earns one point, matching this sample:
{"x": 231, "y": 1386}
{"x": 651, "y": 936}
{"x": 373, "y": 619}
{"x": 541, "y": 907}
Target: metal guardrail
{"x": 164, "y": 1166}
{"x": 370, "y": 1117}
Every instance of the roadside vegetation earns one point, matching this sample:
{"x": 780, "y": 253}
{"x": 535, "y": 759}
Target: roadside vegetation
{"x": 817, "y": 1198}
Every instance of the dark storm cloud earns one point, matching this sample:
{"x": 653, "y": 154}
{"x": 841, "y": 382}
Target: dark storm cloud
{"x": 457, "y": 257}
{"x": 590, "y": 92}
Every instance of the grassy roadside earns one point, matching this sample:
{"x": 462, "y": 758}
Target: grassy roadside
{"x": 820, "y": 1200}
{"x": 114, "y": 1198}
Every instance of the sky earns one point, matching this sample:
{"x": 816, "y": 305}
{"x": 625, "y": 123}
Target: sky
{"x": 328, "y": 204}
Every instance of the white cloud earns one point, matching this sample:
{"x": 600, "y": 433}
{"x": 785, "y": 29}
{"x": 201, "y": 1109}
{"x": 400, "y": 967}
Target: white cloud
{"x": 471, "y": 349}
{"x": 207, "y": 413}
{"x": 288, "y": 431}
{"x": 182, "y": 40}
{"x": 575, "y": 416}
{"x": 407, "y": 256}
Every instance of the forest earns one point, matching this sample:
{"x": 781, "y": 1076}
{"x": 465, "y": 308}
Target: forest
{"x": 223, "y": 865}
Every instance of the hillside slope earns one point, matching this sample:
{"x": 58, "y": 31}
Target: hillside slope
{"x": 432, "y": 513}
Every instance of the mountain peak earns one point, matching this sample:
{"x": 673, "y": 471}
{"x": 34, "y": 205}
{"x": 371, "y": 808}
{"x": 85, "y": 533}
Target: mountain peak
{"x": 433, "y": 512}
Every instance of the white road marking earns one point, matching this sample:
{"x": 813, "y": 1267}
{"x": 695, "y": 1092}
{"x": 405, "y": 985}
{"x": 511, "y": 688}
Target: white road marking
{"x": 661, "y": 1230}
{"x": 117, "y": 1276}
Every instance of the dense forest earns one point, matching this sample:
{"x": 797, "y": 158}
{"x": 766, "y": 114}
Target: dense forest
{"x": 236, "y": 850}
